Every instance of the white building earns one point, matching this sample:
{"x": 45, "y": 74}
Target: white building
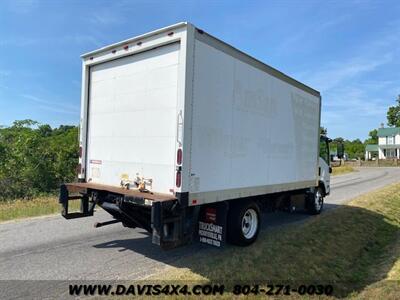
{"x": 388, "y": 144}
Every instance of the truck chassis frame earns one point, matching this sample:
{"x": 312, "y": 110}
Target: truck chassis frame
{"x": 166, "y": 217}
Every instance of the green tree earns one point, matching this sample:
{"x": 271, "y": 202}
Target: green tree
{"x": 393, "y": 114}
{"x": 354, "y": 149}
{"x": 338, "y": 140}
{"x": 373, "y": 137}
{"x": 35, "y": 159}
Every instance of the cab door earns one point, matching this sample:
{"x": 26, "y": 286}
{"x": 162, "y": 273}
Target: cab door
{"x": 324, "y": 164}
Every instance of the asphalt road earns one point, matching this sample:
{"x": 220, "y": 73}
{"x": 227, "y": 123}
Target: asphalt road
{"x": 51, "y": 248}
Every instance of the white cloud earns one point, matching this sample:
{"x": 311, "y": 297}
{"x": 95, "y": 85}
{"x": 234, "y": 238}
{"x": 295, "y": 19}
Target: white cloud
{"x": 57, "y": 110}
{"x": 356, "y": 101}
{"x": 4, "y": 73}
{"x": 52, "y": 106}
{"x": 335, "y": 73}
{"x": 304, "y": 33}
{"x": 368, "y": 57}
{"x": 80, "y": 39}
{"x": 22, "y": 6}
{"x": 351, "y": 111}
{"x": 353, "y": 102}
{"x": 106, "y": 18}
{"x": 76, "y": 83}
{"x": 18, "y": 41}
{"x": 67, "y": 39}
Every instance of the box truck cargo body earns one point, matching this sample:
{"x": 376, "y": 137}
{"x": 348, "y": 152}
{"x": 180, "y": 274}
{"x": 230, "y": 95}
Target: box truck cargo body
{"x": 179, "y": 129}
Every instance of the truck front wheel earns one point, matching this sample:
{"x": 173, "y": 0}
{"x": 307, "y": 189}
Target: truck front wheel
{"x": 243, "y": 223}
{"x": 315, "y": 201}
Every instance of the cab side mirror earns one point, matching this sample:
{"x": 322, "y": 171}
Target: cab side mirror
{"x": 340, "y": 150}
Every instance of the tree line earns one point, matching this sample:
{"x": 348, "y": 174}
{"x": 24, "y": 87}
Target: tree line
{"x": 36, "y": 158}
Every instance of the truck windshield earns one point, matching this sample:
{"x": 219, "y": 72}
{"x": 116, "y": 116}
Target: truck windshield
{"x": 324, "y": 150}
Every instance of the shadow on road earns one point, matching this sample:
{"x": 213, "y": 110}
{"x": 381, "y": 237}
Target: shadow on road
{"x": 342, "y": 246}
{"x": 145, "y": 247}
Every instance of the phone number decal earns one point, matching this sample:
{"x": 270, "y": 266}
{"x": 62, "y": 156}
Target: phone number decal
{"x": 281, "y": 289}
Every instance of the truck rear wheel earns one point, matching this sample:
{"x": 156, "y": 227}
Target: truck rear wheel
{"x": 243, "y": 223}
{"x": 315, "y": 201}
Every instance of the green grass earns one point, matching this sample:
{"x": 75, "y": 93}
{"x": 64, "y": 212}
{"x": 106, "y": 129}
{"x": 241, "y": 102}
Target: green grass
{"x": 16, "y": 209}
{"x": 356, "y": 247}
{"x": 342, "y": 170}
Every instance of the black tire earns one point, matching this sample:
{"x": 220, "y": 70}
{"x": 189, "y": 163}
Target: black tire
{"x": 315, "y": 201}
{"x": 236, "y": 215}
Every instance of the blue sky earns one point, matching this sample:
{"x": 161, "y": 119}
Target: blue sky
{"x": 348, "y": 50}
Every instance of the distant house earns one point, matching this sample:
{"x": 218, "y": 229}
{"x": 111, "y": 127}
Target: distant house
{"x": 388, "y": 144}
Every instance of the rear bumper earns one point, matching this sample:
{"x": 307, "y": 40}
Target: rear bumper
{"x": 164, "y": 216}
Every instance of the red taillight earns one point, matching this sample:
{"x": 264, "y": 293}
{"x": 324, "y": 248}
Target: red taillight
{"x": 79, "y": 169}
{"x": 171, "y": 33}
{"x": 80, "y": 152}
{"x": 126, "y": 47}
{"x": 179, "y": 156}
{"x": 178, "y": 179}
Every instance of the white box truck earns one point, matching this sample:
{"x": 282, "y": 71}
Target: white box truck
{"x": 187, "y": 137}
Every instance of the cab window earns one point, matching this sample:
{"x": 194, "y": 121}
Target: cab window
{"x": 324, "y": 151}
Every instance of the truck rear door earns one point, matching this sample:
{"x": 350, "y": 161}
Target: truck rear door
{"x": 132, "y": 118}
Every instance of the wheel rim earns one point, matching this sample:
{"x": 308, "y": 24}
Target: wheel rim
{"x": 249, "y": 223}
{"x": 318, "y": 200}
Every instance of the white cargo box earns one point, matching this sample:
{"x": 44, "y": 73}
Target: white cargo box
{"x": 243, "y": 127}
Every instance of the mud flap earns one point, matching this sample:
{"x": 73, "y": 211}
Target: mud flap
{"x": 213, "y": 224}
{"x": 167, "y": 223}
{"x": 156, "y": 223}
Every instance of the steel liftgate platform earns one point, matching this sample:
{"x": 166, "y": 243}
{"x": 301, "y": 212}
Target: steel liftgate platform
{"x": 160, "y": 214}
{"x": 83, "y": 191}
